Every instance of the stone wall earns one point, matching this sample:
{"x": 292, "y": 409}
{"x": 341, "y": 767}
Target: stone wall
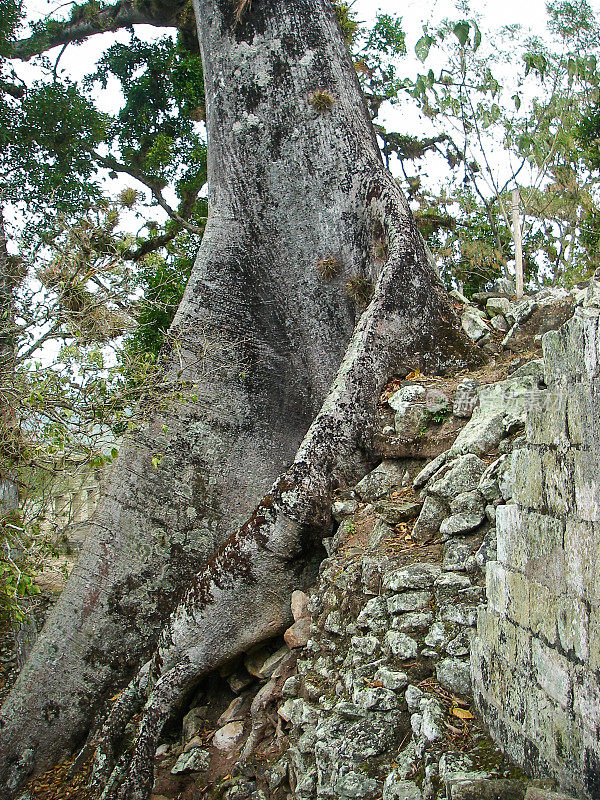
{"x": 536, "y": 658}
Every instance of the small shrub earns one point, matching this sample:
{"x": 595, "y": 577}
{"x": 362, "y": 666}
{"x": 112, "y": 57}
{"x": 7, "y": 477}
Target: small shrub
{"x": 360, "y": 290}
{"x": 321, "y": 101}
{"x": 329, "y": 267}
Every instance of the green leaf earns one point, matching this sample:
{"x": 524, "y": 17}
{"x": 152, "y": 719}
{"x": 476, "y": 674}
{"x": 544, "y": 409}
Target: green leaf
{"x": 461, "y": 31}
{"x": 476, "y": 36}
{"x": 517, "y": 101}
{"x": 423, "y": 46}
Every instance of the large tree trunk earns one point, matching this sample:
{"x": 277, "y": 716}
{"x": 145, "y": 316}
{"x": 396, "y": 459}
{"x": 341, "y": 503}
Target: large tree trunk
{"x": 290, "y": 184}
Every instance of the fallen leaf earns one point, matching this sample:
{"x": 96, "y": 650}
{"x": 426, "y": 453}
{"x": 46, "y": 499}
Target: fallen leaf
{"x": 461, "y": 713}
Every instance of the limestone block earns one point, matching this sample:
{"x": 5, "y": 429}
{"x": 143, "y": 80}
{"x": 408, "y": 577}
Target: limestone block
{"x": 573, "y": 627}
{"x": 546, "y": 421}
{"x": 553, "y": 672}
{"x": 587, "y": 485}
{"x": 543, "y": 612}
{"x": 558, "y": 473}
{"x": 574, "y": 349}
{"x": 594, "y": 638}
{"x": 519, "y": 602}
{"x": 497, "y": 587}
{"x": 511, "y": 544}
{"x": 528, "y": 478}
{"x": 514, "y": 642}
{"x": 586, "y": 694}
{"x": 582, "y": 557}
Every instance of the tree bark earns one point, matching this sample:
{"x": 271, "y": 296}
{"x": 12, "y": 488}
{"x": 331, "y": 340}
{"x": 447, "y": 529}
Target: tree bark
{"x": 294, "y": 178}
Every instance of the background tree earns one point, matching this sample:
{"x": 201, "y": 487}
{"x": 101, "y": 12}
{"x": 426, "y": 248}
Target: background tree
{"x": 504, "y": 110}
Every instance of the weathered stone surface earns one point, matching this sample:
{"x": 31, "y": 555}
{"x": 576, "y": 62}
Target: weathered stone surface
{"x": 497, "y": 305}
{"x": 408, "y": 601}
{"x": 429, "y": 470}
{"x": 401, "y": 399}
{"x": 401, "y": 645}
{"x": 409, "y": 423}
{"x": 395, "y": 789}
{"x": 461, "y": 523}
{"x": 535, "y": 793}
{"x": 454, "y": 675}
{"x": 228, "y": 737}
{"x": 473, "y": 325}
{"x": 413, "y": 576}
{"x": 412, "y": 621}
{"x": 262, "y": 664}
{"x": 354, "y": 785}
{"x": 195, "y": 760}
{"x": 343, "y": 508}
{"x": 465, "y": 398}
{"x": 463, "y": 476}
{"x": 193, "y": 722}
{"x": 456, "y": 555}
{"x": 488, "y": 789}
{"x": 391, "y": 679}
{"x": 433, "y": 513}
{"x": 234, "y": 712}
{"x": 374, "y": 615}
{"x": 380, "y": 482}
{"x": 393, "y": 512}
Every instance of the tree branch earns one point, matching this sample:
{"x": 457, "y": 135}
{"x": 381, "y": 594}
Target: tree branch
{"x": 88, "y": 20}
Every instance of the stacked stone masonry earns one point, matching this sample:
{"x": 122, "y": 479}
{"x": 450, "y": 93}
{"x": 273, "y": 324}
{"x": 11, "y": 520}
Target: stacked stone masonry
{"x": 536, "y": 658}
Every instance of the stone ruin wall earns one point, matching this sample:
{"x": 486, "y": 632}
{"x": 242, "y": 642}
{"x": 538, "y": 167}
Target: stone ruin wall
{"x": 536, "y": 658}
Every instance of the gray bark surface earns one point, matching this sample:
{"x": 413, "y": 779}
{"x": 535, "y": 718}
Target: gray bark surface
{"x": 289, "y": 185}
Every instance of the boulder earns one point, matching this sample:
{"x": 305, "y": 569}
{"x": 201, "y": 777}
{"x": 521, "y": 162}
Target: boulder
{"x": 463, "y": 475}
{"x": 298, "y": 634}
{"x": 195, "y": 760}
{"x": 454, "y": 675}
{"x": 461, "y": 523}
{"x": 227, "y": 738}
{"x": 393, "y": 512}
{"x": 413, "y": 576}
{"x": 299, "y": 605}
{"x": 381, "y": 481}
{"x": 409, "y": 423}
{"x": 261, "y": 663}
{"x": 343, "y": 508}
{"x": 497, "y": 305}
{"x": 434, "y": 511}
{"x": 465, "y": 398}
{"x": 473, "y": 325}
{"x": 235, "y": 711}
{"x": 499, "y": 323}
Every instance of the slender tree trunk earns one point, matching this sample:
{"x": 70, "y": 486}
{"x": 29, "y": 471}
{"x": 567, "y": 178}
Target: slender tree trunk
{"x": 294, "y": 178}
